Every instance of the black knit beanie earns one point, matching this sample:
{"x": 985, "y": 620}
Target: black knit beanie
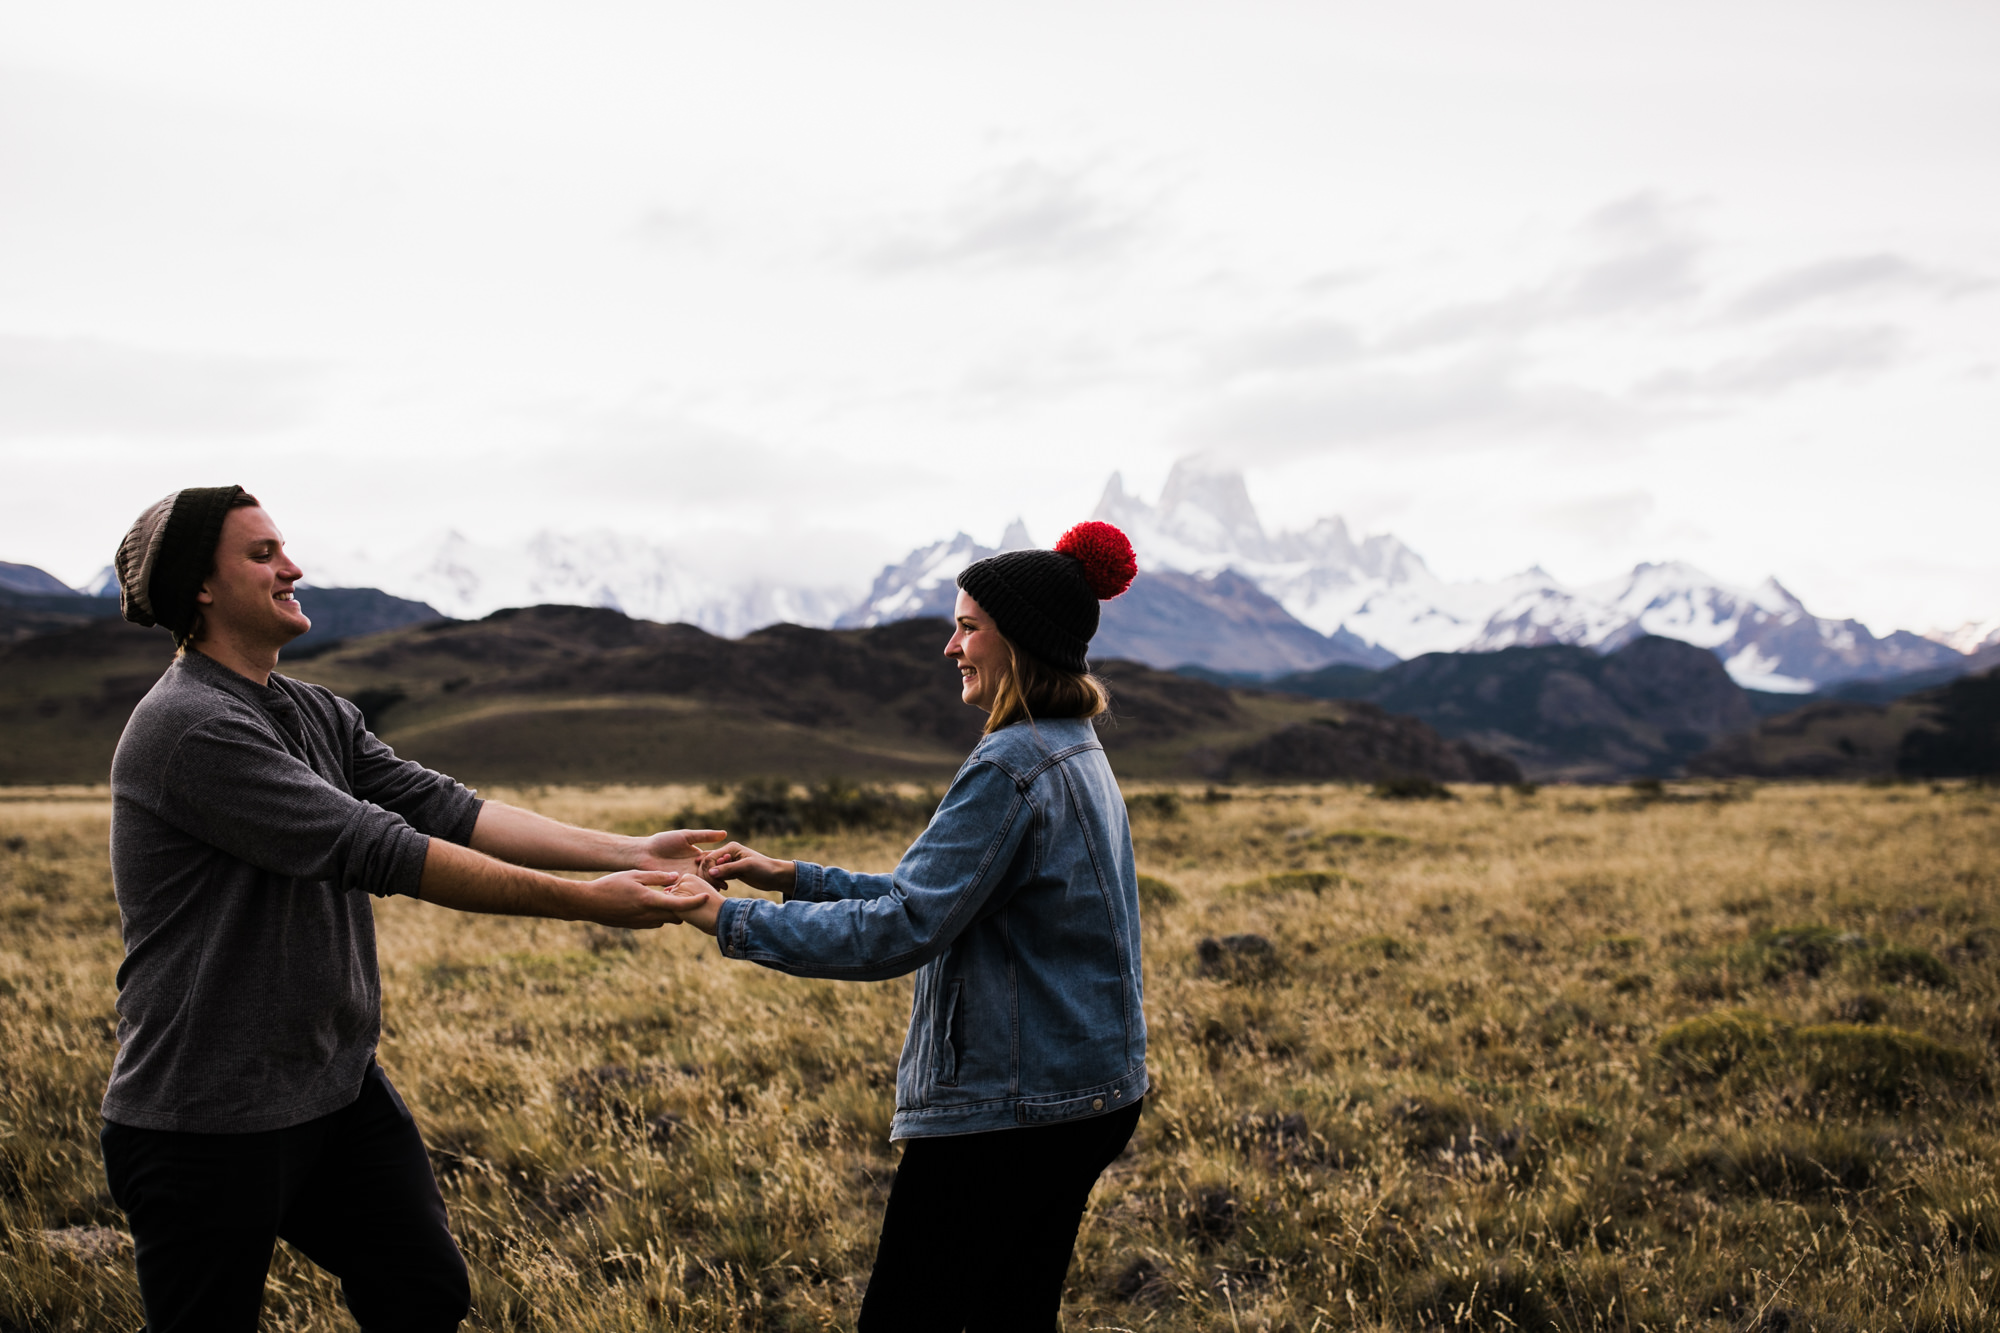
{"x": 166, "y": 557}
{"x": 1045, "y": 602}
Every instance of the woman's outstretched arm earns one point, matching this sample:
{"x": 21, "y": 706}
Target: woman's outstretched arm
{"x": 794, "y": 879}
{"x": 942, "y": 884}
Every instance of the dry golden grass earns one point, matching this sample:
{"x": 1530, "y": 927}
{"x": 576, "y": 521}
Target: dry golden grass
{"x": 1574, "y": 1060}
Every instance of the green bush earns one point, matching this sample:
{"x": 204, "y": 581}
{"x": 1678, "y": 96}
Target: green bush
{"x": 1153, "y": 805}
{"x": 1386, "y": 947}
{"x": 1157, "y": 894}
{"x": 1877, "y": 1065}
{"x": 1900, "y": 964}
{"x": 765, "y": 807}
{"x": 1714, "y": 1044}
{"x": 1411, "y": 789}
{"x": 1314, "y": 882}
{"x": 1870, "y": 1065}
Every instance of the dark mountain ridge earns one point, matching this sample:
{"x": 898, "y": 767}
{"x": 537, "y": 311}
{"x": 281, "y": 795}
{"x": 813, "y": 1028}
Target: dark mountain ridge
{"x": 1558, "y": 710}
{"x": 578, "y": 694}
{"x": 1948, "y": 731}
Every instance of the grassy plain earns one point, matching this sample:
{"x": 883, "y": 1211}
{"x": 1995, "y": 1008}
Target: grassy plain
{"x": 1696, "y": 1058}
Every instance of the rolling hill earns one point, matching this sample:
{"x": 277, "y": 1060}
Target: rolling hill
{"x": 577, "y": 694}
{"x": 1559, "y": 711}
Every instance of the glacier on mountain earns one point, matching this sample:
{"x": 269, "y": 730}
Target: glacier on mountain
{"x": 1382, "y": 591}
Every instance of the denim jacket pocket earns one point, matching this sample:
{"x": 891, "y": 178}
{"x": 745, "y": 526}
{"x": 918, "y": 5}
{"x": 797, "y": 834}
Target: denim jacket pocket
{"x": 951, "y": 1034}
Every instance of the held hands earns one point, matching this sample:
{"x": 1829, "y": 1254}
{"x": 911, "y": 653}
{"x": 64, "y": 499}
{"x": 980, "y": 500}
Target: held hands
{"x": 663, "y": 887}
{"x": 669, "y": 888}
{"x": 754, "y": 869}
{"x": 698, "y": 902}
{"x": 643, "y": 899}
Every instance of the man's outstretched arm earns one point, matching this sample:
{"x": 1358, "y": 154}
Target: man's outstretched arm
{"x": 469, "y": 881}
{"x": 509, "y": 833}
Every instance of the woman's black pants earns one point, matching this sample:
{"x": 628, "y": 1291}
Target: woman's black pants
{"x": 980, "y": 1227}
{"x": 353, "y": 1190}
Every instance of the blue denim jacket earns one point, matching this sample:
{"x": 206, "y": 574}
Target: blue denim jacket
{"x": 1018, "y": 909}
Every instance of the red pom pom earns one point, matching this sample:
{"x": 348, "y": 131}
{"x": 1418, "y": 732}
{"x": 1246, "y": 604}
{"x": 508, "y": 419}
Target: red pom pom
{"x": 1108, "y": 562}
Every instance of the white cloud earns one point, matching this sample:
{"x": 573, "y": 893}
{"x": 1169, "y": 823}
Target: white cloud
{"x": 53, "y": 388}
{"x": 1026, "y": 214}
{"x": 1842, "y": 278}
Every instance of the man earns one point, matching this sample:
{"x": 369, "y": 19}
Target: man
{"x": 252, "y": 816}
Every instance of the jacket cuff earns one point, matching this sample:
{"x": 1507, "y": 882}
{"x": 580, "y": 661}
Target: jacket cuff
{"x": 807, "y": 882}
{"x": 732, "y": 925}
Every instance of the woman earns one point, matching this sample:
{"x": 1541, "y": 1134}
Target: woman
{"x": 1018, "y": 909}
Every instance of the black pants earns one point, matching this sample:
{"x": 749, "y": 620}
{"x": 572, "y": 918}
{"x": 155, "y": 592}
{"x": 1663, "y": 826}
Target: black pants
{"x": 980, "y": 1227}
{"x": 353, "y": 1190}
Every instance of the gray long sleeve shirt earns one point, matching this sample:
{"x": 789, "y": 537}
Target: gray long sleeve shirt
{"x": 249, "y": 825}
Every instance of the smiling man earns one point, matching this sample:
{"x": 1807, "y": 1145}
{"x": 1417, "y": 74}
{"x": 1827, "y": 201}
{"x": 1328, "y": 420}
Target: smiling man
{"x": 252, "y": 817}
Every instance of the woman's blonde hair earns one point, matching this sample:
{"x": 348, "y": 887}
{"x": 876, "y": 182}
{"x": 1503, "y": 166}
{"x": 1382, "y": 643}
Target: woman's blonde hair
{"x": 1033, "y": 688}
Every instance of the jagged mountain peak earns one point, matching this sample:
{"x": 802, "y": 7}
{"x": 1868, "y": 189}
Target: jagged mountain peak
{"x": 1016, "y": 537}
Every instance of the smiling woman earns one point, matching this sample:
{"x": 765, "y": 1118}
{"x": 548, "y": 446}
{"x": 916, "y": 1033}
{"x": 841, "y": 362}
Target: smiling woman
{"x": 1025, "y": 1063}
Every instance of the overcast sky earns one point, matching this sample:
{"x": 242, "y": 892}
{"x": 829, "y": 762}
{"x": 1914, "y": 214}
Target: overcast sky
{"x": 801, "y": 286}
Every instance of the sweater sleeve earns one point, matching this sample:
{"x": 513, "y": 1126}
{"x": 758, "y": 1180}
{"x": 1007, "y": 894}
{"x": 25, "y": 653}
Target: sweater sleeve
{"x": 945, "y": 879}
{"x": 430, "y": 801}
{"x": 228, "y": 785}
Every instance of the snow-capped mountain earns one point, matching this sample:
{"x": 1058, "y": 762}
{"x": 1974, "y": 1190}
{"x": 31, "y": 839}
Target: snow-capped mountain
{"x": 1971, "y": 638}
{"x": 1333, "y": 597}
{"x": 925, "y": 583}
{"x": 1382, "y": 591}
{"x": 465, "y": 580}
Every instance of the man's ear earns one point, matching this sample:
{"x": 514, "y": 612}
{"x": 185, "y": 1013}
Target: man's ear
{"x": 205, "y": 597}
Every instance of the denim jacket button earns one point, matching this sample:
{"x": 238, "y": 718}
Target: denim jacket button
{"x": 1097, "y": 1103}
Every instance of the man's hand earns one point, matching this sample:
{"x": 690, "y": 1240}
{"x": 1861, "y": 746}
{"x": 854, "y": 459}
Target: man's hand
{"x": 675, "y": 851}
{"x": 754, "y": 869}
{"x": 641, "y": 899}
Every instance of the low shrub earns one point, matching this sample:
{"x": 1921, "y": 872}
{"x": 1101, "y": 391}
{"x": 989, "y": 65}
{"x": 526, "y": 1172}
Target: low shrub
{"x": 1713, "y": 1044}
{"x": 1157, "y": 895}
{"x": 1869, "y": 1065}
{"x": 1237, "y": 958}
{"x": 1153, "y": 805}
{"x": 1386, "y": 947}
{"x": 1411, "y": 789}
{"x": 1314, "y": 882}
{"x": 767, "y": 807}
{"x": 1879, "y": 1065}
{"x": 1901, "y": 965}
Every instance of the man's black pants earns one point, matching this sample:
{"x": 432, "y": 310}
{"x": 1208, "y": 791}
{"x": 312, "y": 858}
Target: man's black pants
{"x": 352, "y": 1190}
{"x": 980, "y": 1227}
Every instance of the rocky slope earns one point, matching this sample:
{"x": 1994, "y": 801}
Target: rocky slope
{"x": 1560, "y": 711}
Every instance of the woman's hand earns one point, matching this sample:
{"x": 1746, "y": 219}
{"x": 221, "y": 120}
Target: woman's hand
{"x": 704, "y": 910}
{"x": 752, "y": 869}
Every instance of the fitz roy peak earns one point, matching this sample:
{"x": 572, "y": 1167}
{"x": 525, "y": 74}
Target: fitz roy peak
{"x": 1382, "y": 592}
